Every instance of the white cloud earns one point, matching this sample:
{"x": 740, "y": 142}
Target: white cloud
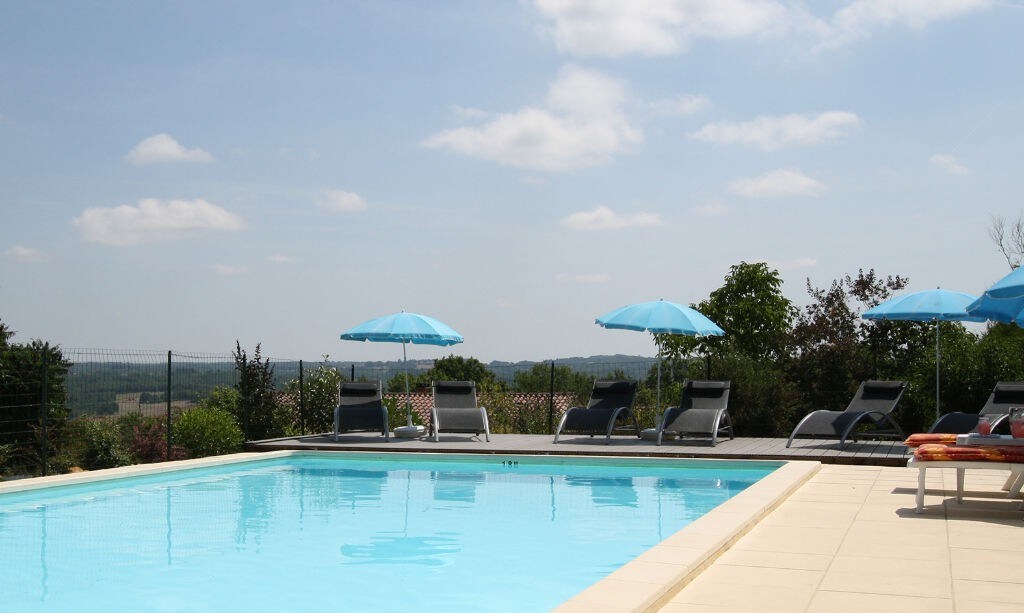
{"x": 26, "y": 255}
{"x": 685, "y": 104}
{"x": 655, "y": 27}
{"x": 163, "y": 148}
{"x": 582, "y": 124}
{"x": 858, "y": 19}
{"x": 603, "y": 218}
{"x": 780, "y": 183}
{"x": 772, "y": 133}
{"x": 584, "y": 278}
{"x": 154, "y": 220}
{"x": 280, "y": 259}
{"x": 614, "y": 28}
{"x": 949, "y": 164}
{"x": 227, "y": 269}
{"x": 341, "y": 201}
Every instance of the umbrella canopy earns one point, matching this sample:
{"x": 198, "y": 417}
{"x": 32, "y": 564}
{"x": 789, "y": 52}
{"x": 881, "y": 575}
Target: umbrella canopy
{"x": 930, "y": 305}
{"x": 660, "y": 317}
{"x": 404, "y": 328}
{"x": 1004, "y": 301}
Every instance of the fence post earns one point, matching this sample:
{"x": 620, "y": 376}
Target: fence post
{"x": 168, "y": 405}
{"x": 302, "y": 401}
{"x": 44, "y": 409}
{"x": 551, "y": 400}
{"x": 353, "y": 377}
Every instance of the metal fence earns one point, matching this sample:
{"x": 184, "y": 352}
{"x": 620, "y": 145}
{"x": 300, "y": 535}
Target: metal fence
{"x": 43, "y": 389}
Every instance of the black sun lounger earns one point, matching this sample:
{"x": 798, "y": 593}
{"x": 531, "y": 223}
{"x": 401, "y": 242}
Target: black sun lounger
{"x": 703, "y": 409}
{"x": 360, "y": 408}
{"x": 455, "y": 410}
{"x": 610, "y": 408}
{"x": 871, "y": 406}
{"x": 1004, "y": 395}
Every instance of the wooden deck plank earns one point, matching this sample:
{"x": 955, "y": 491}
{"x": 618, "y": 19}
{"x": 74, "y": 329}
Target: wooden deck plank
{"x": 886, "y": 453}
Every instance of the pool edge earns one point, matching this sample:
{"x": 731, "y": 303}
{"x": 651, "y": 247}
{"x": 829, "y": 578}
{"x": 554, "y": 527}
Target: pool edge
{"x": 648, "y": 582}
{"x": 136, "y": 470}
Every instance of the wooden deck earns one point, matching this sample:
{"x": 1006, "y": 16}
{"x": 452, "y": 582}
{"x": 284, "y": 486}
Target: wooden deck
{"x": 872, "y": 453}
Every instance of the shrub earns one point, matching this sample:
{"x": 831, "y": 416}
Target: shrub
{"x": 149, "y": 442}
{"x": 97, "y": 443}
{"x": 204, "y": 431}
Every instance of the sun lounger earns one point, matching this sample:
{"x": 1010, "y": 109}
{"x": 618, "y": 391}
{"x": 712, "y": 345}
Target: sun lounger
{"x": 360, "y": 408}
{"x": 871, "y": 406}
{"x": 703, "y": 409}
{"x": 610, "y": 408}
{"x": 455, "y": 410}
{"x": 1004, "y": 395}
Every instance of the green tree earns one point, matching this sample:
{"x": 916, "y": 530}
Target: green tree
{"x": 259, "y": 414}
{"x": 750, "y": 308}
{"x": 320, "y": 395}
{"x": 24, "y": 423}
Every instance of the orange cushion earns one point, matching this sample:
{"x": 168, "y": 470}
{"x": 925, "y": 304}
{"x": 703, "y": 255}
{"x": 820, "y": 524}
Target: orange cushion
{"x": 921, "y": 438}
{"x": 954, "y": 453}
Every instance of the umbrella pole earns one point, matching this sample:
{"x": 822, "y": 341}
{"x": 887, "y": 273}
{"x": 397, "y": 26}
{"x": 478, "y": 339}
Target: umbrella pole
{"x": 408, "y": 398}
{"x": 937, "y": 369}
{"x": 657, "y": 403}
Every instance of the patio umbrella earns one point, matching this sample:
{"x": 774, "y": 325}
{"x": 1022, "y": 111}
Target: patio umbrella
{"x": 404, "y": 328}
{"x": 929, "y": 305}
{"x": 660, "y": 317}
{"x": 1004, "y": 301}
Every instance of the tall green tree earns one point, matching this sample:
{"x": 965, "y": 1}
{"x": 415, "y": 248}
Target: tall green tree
{"x": 258, "y": 414}
{"x": 752, "y": 310}
{"x": 27, "y": 429}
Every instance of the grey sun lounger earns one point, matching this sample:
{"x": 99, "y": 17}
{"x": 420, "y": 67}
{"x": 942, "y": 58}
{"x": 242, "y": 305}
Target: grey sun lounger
{"x": 610, "y": 408}
{"x": 703, "y": 409}
{"x": 455, "y": 410}
{"x": 361, "y": 409}
{"x": 1004, "y": 395}
{"x": 871, "y": 406}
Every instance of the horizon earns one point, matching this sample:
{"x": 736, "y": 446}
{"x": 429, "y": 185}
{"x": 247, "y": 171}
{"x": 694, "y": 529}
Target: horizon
{"x": 188, "y": 174}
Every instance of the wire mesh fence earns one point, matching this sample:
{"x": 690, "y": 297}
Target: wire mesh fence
{"x": 61, "y": 408}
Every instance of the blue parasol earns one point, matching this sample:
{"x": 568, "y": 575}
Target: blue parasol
{"x": 929, "y": 305}
{"x": 404, "y": 328}
{"x": 660, "y": 317}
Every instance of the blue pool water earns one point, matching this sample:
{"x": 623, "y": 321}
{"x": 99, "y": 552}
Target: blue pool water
{"x": 349, "y": 532}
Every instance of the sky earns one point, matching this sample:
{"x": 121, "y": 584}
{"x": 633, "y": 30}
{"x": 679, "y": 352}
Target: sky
{"x": 182, "y": 175}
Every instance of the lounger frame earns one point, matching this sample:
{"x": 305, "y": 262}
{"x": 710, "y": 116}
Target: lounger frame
{"x": 455, "y": 409}
{"x": 361, "y": 409}
{"x": 703, "y": 409}
{"x": 1004, "y": 395}
{"x": 611, "y": 402}
{"x": 873, "y": 403}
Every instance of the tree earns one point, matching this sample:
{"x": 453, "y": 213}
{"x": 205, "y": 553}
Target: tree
{"x": 258, "y": 412}
{"x": 320, "y": 395}
{"x": 1009, "y": 239}
{"x": 750, "y": 308}
{"x": 25, "y": 428}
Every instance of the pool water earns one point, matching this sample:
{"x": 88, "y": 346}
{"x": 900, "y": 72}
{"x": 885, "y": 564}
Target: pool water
{"x": 349, "y": 532}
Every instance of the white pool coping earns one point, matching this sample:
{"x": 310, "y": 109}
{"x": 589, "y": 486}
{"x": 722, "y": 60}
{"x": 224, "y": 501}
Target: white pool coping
{"x": 645, "y": 584}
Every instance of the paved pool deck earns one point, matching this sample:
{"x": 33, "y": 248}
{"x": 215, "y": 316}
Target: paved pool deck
{"x": 849, "y": 540}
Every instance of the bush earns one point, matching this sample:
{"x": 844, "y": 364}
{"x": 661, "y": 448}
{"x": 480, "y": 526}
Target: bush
{"x": 97, "y": 443}
{"x": 204, "y": 432}
{"x": 149, "y": 442}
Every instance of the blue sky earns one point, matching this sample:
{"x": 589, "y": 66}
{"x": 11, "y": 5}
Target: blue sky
{"x": 181, "y": 175}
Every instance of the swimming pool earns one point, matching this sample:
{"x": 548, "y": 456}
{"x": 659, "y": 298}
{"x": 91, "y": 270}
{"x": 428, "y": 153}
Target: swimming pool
{"x": 350, "y": 531}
